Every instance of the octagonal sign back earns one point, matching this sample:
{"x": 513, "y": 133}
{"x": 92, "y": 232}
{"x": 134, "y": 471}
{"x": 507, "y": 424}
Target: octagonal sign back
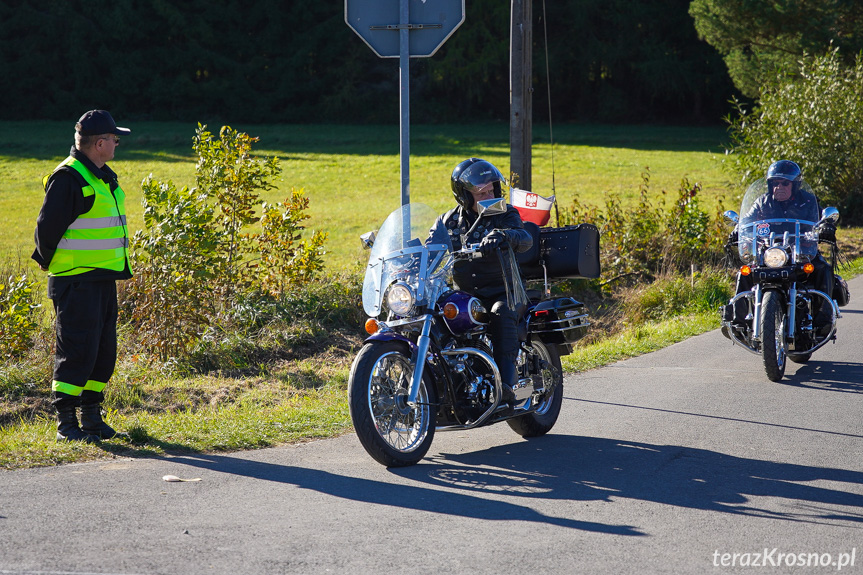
{"x": 431, "y": 23}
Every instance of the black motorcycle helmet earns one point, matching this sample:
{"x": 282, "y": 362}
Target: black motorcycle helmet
{"x": 471, "y": 175}
{"x": 785, "y": 170}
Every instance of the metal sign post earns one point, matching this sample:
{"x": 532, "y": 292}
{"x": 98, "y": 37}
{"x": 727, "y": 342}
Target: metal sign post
{"x": 404, "y": 101}
{"x": 423, "y": 26}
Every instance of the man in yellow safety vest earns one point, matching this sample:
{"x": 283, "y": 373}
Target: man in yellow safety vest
{"x": 82, "y": 242}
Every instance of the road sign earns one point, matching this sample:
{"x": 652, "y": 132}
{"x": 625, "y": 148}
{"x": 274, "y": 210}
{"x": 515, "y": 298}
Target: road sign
{"x": 378, "y": 23}
{"x": 404, "y": 29}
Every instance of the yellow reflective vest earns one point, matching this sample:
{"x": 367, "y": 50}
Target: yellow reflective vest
{"x": 98, "y": 239}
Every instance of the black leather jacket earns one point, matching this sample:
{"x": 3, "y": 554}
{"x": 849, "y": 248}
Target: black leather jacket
{"x": 483, "y": 276}
{"x": 801, "y": 206}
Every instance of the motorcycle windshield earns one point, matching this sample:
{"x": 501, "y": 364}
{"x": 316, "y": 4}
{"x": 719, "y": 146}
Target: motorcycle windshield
{"x": 404, "y": 249}
{"x": 765, "y": 222}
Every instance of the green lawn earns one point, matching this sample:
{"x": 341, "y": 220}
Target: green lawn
{"x": 351, "y": 173}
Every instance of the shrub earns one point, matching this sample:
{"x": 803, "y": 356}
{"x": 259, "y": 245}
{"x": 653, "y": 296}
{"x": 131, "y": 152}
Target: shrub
{"x": 19, "y": 322}
{"x": 671, "y": 296}
{"x": 199, "y": 252}
{"x": 815, "y": 120}
{"x": 649, "y": 239}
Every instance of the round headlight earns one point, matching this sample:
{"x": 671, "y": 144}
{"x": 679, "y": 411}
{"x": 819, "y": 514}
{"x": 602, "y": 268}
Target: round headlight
{"x": 775, "y": 257}
{"x": 400, "y": 299}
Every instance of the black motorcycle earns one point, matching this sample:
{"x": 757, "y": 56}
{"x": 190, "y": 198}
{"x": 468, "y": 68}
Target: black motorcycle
{"x": 778, "y": 255}
{"x": 428, "y": 364}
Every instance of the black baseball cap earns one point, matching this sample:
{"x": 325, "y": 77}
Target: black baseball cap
{"x": 97, "y": 122}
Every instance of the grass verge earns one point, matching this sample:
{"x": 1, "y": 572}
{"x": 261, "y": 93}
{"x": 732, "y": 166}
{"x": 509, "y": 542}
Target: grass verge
{"x": 301, "y": 400}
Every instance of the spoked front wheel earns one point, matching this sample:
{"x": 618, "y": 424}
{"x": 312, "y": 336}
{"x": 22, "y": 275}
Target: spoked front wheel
{"x": 392, "y": 432}
{"x": 773, "y": 335}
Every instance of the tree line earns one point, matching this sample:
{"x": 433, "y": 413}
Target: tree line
{"x": 291, "y": 61}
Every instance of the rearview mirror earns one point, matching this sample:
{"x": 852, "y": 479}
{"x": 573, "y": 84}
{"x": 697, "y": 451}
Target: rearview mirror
{"x": 731, "y": 216}
{"x": 368, "y": 239}
{"x": 830, "y": 214}
{"x": 491, "y": 207}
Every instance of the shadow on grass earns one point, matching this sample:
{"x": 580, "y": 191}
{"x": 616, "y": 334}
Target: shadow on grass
{"x": 142, "y": 445}
{"x": 172, "y": 142}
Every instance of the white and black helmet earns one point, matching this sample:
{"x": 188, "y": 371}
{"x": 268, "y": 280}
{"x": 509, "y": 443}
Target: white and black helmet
{"x": 470, "y": 176}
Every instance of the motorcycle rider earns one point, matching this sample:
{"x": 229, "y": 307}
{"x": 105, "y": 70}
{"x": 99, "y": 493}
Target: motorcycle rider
{"x": 473, "y": 180}
{"x": 787, "y": 199}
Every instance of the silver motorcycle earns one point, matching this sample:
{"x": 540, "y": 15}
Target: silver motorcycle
{"x": 428, "y": 363}
{"x": 778, "y": 255}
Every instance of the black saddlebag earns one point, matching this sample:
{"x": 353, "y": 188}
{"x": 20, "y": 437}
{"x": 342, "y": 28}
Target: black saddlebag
{"x": 840, "y": 291}
{"x": 567, "y": 252}
{"x": 560, "y": 321}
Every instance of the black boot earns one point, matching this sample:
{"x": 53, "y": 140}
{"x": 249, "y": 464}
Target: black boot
{"x": 67, "y": 426}
{"x": 91, "y": 422}
{"x": 509, "y": 377}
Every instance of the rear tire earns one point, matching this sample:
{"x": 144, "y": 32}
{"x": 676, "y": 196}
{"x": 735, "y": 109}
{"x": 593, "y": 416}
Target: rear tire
{"x": 543, "y": 419}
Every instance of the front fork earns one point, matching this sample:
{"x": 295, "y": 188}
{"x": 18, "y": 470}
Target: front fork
{"x": 422, "y": 350}
{"x": 791, "y": 314}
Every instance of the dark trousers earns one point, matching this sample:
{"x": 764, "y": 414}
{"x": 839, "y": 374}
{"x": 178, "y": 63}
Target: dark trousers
{"x": 86, "y": 341}
{"x": 503, "y": 331}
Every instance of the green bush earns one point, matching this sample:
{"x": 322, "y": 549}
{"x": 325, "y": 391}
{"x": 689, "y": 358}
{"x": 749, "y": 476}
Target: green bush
{"x": 204, "y": 249}
{"x": 671, "y": 296}
{"x": 649, "y": 239}
{"x": 19, "y": 320}
{"x": 261, "y": 328}
{"x": 815, "y": 120}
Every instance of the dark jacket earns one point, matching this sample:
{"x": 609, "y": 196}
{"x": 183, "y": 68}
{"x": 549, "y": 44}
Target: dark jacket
{"x": 801, "y": 206}
{"x": 483, "y": 276}
{"x": 63, "y": 203}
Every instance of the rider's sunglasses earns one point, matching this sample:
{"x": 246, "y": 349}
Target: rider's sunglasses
{"x": 489, "y": 187}
{"x": 115, "y": 138}
{"x": 783, "y": 183}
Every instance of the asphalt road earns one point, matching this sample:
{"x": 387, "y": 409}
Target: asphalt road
{"x": 687, "y": 460}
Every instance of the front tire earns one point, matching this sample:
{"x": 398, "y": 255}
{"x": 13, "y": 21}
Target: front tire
{"x": 773, "y": 336}
{"x": 543, "y": 419}
{"x": 392, "y": 432}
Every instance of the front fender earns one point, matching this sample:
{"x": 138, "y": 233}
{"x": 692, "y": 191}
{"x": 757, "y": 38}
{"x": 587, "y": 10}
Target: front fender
{"x": 392, "y": 336}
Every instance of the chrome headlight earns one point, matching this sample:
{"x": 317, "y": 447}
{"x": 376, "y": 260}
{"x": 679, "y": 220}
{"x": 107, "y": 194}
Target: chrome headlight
{"x": 400, "y": 299}
{"x": 478, "y": 311}
{"x": 775, "y": 257}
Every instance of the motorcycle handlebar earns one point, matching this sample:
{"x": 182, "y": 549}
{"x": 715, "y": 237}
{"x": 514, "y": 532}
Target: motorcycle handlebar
{"x": 469, "y": 252}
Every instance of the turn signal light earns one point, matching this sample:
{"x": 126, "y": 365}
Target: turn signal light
{"x": 450, "y": 311}
{"x": 372, "y": 326}
{"x": 808, "y": 268}
{"x": 745, "y": 270}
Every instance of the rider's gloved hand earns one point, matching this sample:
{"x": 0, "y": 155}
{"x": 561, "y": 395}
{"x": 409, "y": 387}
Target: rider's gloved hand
{"x": 732, "y": 238}
{"x": 494, "y": 240}
{"x": 827, "y": 233}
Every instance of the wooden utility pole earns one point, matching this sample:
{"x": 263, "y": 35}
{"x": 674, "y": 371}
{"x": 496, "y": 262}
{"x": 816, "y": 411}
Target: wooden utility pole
{"x": 520, "y": 92}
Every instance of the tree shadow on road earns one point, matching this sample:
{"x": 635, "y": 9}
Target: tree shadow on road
{"x": 414, "y": 497}
{"x": 599, "y": 469}
{"x": 492, "y": 484}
